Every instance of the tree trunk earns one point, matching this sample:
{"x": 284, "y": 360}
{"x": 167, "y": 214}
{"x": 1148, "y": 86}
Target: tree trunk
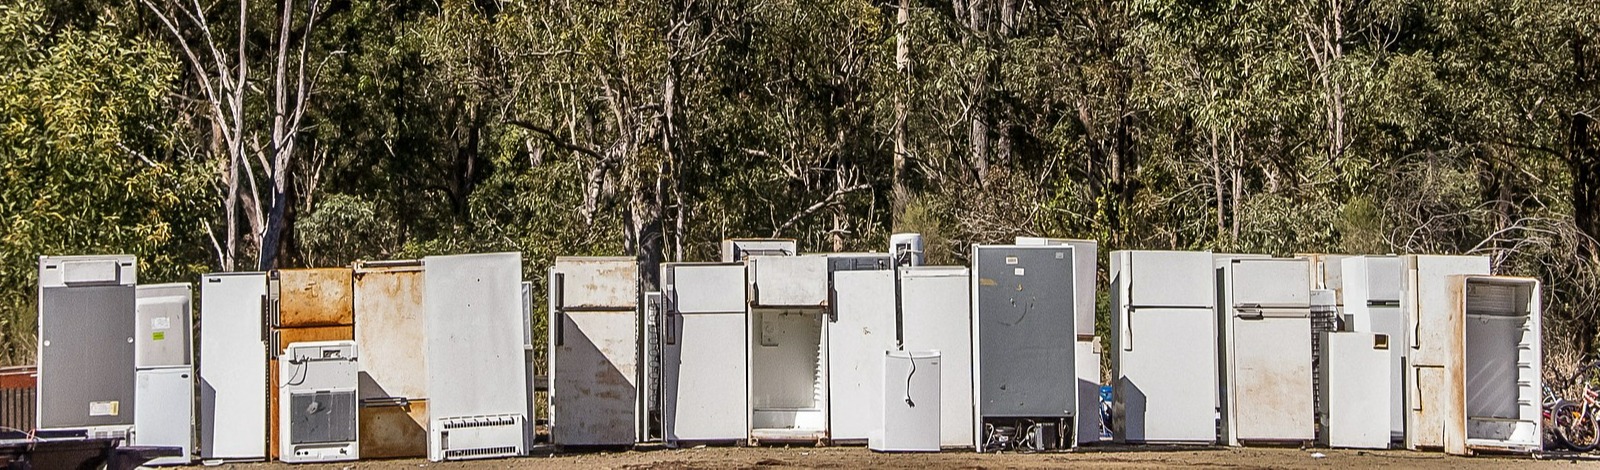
{"x": 900, "y": 192}
{"x": 978, "y": 126}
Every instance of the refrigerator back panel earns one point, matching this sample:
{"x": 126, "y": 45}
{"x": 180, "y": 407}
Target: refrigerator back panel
{"x": 318, "y": 421}
{"x": 476, "y": 365}
{"x": 936, "y": 312}
{"x": 233, "y": 367}
{"x": 703, "y": 365}
{"x": 161, "y": 330}
{"x": 394, "y": 359}
{"x": 594, "y": 350}
{"x": 86, "y": 342}
{"x": 1170, "y": 279}
{"x": 865, "y": 328}
{"x": 1023, "y": 310}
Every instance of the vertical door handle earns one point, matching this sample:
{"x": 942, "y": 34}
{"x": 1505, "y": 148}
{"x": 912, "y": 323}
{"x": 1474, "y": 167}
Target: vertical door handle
{"x": 558, "y": 317}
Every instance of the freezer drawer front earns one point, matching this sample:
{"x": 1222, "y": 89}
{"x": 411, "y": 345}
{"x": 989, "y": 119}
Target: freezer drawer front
{"x": 165, "y": 414}
{"x": 789, "y": 281}
{"x": 864, "y": 329}
{"x": 599, "y": 283}
{"x": 1166, "y": 390}
{"x": 394, "y": 363}
{"x": 233, "y": 367}
{"x": 1170, "y": 279}
{"x": 86, "y": 356}
{"x": 1023, "y": 309}
{"x": 315, "y": 297}
{"x": 595, "y": 380}
{"x": 936, "y": 308}
{"x": 704, "y": 288}
{"x": 1271, "y": 283}
{"x": 703, "y": 385}
{"x": 161, "y": 331}
{"x": 1270, "y": 392}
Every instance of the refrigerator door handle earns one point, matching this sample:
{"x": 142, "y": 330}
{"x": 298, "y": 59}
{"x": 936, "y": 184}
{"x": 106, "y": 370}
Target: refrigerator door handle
{"x": 558, "y": 315}
{"x": 669, "y": 308}
{"x": 1125, "y": 330}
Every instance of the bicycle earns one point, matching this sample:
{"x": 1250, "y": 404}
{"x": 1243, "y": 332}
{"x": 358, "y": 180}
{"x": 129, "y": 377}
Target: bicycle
{"x": 1576, "y": 422}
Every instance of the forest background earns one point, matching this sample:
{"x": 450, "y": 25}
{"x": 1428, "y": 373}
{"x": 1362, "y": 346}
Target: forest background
{"x": 217, "y": 135}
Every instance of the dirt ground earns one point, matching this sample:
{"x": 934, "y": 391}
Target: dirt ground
{"x": 1095, "y": 457}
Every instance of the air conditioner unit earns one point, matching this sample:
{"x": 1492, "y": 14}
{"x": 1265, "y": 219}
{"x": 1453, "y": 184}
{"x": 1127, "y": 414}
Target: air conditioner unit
{"x": 317, "y": 397}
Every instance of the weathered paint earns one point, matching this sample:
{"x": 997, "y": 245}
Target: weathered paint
{"x": 286, "y": 336}
{"x": 1434, "y": 400}
{"x": 393, "y": 367}
{"x": 596, "y": 360}
{"x": 599, "y": 283}
{"x": 315, "y": 297}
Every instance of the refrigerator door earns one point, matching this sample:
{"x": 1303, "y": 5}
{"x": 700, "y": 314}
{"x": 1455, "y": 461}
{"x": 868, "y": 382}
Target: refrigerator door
{"x": 704, "y": 395}
{"x": 476, "y": 366}
{"x": 1433, "y": 321}
{"x": 161, "y": 331}
{"x": 1354, "y": 404}
{"x": 1270, "y": 284}
{"x": 165, "y": 415}
{"x": 865, "y": 328}
{"x": 233, "y": 367}
{"x": 1165, "y": 390}
{"x": 1267, "y": 347}
{"x": 936, "y": 312}
{"x": 1171, "y": 279}
{"x": 595, "y": 353}
{"x": 389, "y": 332}
{"x": 1023, "y": 312}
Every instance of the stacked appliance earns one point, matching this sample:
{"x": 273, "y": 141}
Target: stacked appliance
{"x": 1372, "y": 289}
{"x": 861, "y": 324}
{"x": 1023, "y": 315}
{"x": 86, "y": 344}
{"x": 1501, "y": 377}
{"x": 703, "y": 337}
{"x": 1353, "y": 403}
{"x": 1164, "y": 342}
{"x": 477, "y": 375}
{"x": 594, "y": 351}
{"x": 1085, "y": 270}
{"x": 389, "y": 333}
{"x": 233, "y": 363}
{"x": 1432, "y": 305}
{"x": 788, "y": 373}
{"x": 737, "y": 249}
{"x": 164, "y": 396}
{"x": 936, "y": 312}
{"x": 304, "y": 305}
{"x": 908, "y": 404}
{"x": 1266, "y": 351}
{"x": 317, "y": 402}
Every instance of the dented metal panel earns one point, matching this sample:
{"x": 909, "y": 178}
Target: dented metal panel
{"x": 594, "y": 351}
{"x": 394, "y": 362}
{"x": 314, "y": 297}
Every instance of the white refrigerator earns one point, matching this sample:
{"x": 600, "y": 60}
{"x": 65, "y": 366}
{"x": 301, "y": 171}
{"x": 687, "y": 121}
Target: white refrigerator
{"x": 477, "y": 371}
{"x": 233, "y": 367}
{"x": 1431, "y": 302}
{"x": 163, "y": 353}
{"x": 1163, "y": 347}
{"x": 862, "y": 327}
{"x": 936, "y": 314}
{"x": 1266, "y": 351}
{"x": 1372, "y": 286}
{"x": 703, "y": 359}
{"x": 594, "y": 351}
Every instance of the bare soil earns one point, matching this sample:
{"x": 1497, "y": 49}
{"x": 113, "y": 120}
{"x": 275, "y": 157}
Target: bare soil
{"x": 1091, "y": 457}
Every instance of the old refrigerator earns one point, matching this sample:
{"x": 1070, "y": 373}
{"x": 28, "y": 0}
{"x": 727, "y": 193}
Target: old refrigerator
{"x": 907, "y": 415}
{"x": 1431, "y": 305}
{"x": 389, "y": 333}
{"x": 1501, "y": 377}
{"x": 1023, "y": 345}
{"x": 936, "y": 314}
{"x": 304, "y": 305}
{"x": 1085, "y": 271}
{"x": 1163, "y": 347}
{"x": 86, "y": 344}
{"x": 788, "y": 373}
{"x": 1372, "y": 288}
{"x": 594, "y": 351}
{"x": 164, "y": 356}
{"x": 318, "y": 421}
{"x": 477, "y": 373}
{"x": 1266, "y": 351}
{"x": 233, "y": 366}
{"x": 703, "y": 361}
{"x": 1353, "y": 402}
{"x": 861, "y": 325}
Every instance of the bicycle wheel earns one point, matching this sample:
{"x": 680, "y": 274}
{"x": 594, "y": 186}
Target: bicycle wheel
{"x": 1577, "y": 431}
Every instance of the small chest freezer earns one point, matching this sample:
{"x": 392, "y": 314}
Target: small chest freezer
{"x": 1354, "y": 399}
{"x": 911, "y": 400}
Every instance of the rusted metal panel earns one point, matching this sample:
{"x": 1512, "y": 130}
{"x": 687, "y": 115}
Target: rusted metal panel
{"x": 393, "y": 370}
{"x": 282, "y": 337}
{"x": 314, "y": 297}
{"x": 599, "y": 283}
{"x": 19, "y": 377}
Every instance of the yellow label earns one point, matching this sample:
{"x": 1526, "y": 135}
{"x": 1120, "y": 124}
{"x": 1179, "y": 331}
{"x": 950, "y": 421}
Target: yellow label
{"x": 983, "y": 281}
{"x": 158, "y": 336}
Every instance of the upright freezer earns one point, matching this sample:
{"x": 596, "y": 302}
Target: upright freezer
{"x": 233, "y": 366}
{"x": 1372, "y": 288}
{"x": 1501, "y": 376}
{"x": 788, "y": 373}
{"x": 86, "y": 344}
{"x": 390, "y": 334}
{"x": 1431, "y": 304}
{"x": 703, "y": 361}
{"x": 164, "y": 354}
{"x": 594, "y": 351}
{"x": 862, "y": 327}
{"x": 936, "y": 314}
{"x": 1266, "y": 351}
{"x": 1024, "y": 344}
{"x": 477, "y": 376}
{"x": 1163, "y": 347}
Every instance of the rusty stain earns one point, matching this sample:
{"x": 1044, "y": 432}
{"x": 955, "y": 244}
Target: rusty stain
{"x": 395, "y": 431}
{"x": 599, "y": 282}
{"x": 315, "y": 297}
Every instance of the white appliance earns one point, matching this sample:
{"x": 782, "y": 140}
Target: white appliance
{"x": 1372, "y": 287}
{"x": 737, "y": 249}
{"x": 1163, "y": 347}
{"x": 319, "y": 403}
{"x": 389, "y": 333}
{"x": 594, "y": 351}
{"x": 703, "y": 359}
{"x": 906, "y": 249}
{"x": 477, "y": 377}
{"x": 936, "y": 314}
{"x": 1090, "y": 422}
{"x": 909, "y": 403}
{"x": 788, "y": 373}
{"x": 863, "y": 326}
{"x": 164, "y": 414}
{"x": 1354, "y": 399}
{"x": 1085, "y": 272}
{"x": 233, "y": 367}
{"x": 1266, "y": 351}
{"x": 86, "y": 344}
{"x": 1431, "y": 305}
{"x": 1501, "y": 374}
{"x": 1025, "y": 387}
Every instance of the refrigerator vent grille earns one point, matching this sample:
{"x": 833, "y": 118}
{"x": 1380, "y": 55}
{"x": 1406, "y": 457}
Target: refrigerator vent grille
{"x": 459, "y": 453}
{"x": 481, "y": 422}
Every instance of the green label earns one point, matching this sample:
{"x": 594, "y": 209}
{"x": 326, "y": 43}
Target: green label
{"x": 159, "y": 335}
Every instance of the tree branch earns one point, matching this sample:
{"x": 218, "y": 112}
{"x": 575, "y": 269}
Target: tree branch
{"x": 825, "y": 202}
{"x": 557, "y": 140}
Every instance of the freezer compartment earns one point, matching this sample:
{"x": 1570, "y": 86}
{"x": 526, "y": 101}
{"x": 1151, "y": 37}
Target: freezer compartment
{"x": 737, "y": 249}
{"x": 233, "y": 367}
{"x": 936, "y": 312}
{"x": 313, "y": 297}
{"x": 389, "y": 332}
{"x": 788, "y": 376}
{"x": 162, "y": 327}
{"x": 788, "y": 281}
{"x": 1164, "y": 278}
{"x": 598, "y": 283}
{"x": 1502, "y": 376}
